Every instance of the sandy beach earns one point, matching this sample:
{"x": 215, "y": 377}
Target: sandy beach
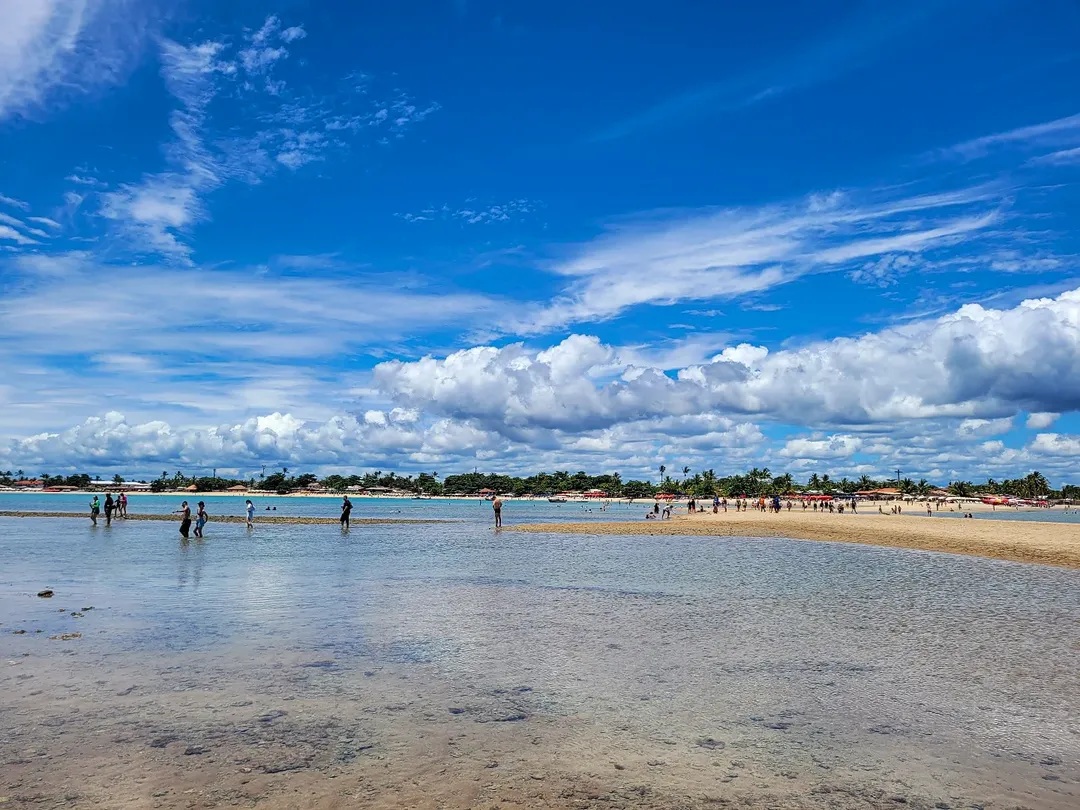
{"x": 1018, "y": 541}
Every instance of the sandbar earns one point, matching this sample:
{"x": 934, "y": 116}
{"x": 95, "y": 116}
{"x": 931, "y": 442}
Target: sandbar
{"x": 1025, "y": 541}
{"x": 277, "y": 519}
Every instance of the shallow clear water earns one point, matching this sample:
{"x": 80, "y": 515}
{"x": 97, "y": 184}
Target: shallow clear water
{"x": 901, "y": 667}
{"x": 330, "y": 506}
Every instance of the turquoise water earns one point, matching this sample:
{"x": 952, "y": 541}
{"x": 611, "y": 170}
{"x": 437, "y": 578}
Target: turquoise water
{"x": 330, "y": 506}
{"x": 950, "y": 676}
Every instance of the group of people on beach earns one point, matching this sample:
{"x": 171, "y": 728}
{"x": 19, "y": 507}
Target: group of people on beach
{"x": 114, "y": 508}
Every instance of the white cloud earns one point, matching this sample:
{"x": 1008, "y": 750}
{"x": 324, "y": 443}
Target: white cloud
{"x": 833, "y": 447}
{"x": 1062, "y": 157}
{"x": 473, "y": 213}
{"x": 111, "y": 441}
{"x": 293, "y": 33}
{"x": 52, "y": 223}
{"x": 11, "y": 201}
{"x": 977, "y": 364}
{"x": 729, "y": 253}
{"x": 158, "y": 309}
{"x": 53, "y": 46}
{"x": 9, "y": 234}
{"x": 80, "y": 180}
{"x": 985, "y": 427}
{"x": 1041, "y": 421}
{"x": 1049, "y": 133}
{"x": 154, "y": 213}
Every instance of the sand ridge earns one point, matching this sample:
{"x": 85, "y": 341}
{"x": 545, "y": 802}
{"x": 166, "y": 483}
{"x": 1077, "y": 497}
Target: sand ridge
{"x": 1039, "y": 542}
{"x": 274, "y": 519}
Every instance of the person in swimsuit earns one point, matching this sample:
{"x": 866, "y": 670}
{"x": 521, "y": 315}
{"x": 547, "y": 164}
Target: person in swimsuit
{"x": 185, "y": 519}
{"x": 95, "y": 508}
{"x": 122, "y": 505}
{"x": 496, "y": 505}
{"x": 346, "y": 510}
{"x": 250, "y": 515}
{"x": 109, "y": 506}
{"x": 200, "y": 519}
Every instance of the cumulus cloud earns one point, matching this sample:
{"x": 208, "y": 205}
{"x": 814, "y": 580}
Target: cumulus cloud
{"x": 110, "y": 441}
{"x": 1041, "y": 421}
{"x": 979, "y": 364}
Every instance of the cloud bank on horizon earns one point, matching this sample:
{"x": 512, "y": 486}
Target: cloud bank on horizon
{"x": 276, "y": 240}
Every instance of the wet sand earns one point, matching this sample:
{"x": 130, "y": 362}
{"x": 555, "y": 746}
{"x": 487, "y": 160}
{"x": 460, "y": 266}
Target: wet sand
{"x": 1018, "y": 541}
{"x": 303, "y": 730}
{"x": 274, "y": 519}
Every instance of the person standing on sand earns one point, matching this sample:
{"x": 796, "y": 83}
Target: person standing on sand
{"x": 250, "y": 514}
{"x": 200, "y": 519}
{"x": 109, "y": 506}
{"x": 185, "y": 519}
{"x": 496, "y": 506}
{"x": 95, "y": 508}
{"x": 122, "y": 504}
{"x": 346, "y": 510}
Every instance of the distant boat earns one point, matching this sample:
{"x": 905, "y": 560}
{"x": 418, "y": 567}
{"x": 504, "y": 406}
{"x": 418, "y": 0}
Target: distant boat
{"x": 557, "y": 500}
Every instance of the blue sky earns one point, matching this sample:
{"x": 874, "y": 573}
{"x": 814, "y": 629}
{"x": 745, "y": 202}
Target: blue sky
{"x": 522, "y": 236}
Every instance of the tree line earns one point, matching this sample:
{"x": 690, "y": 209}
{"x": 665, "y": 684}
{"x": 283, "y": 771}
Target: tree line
{"x": 702, "y": 484}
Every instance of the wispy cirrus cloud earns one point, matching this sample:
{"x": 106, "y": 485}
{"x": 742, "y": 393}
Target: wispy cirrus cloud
{"x": 473, "y": 213}
{"x": 53, "y": 47}
{"x": 728, "y": 252}
{"x": 156, "y": 214}
{"x": 14, "y": 203}
{"x": 1048, "y": 134}
{"x": 856, "y": 40}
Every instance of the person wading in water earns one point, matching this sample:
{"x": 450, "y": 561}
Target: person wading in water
{"x": 185, "y": 519}
{"x": 496, "y": 505}
{"x": 200, "y": 519}
{"x": 346, "y": 510}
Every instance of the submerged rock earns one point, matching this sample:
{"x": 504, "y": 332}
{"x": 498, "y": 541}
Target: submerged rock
{"x": 45, "y": 594}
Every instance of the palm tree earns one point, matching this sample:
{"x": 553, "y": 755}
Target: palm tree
{"x": 663, "y": 469}
{"x": 922, "y": 489}
{"x": 1035, "y": 485}
{"x": 685, "y": 472}
{"x": 19, "y": 474}
{"x": 865, "y": 482}
{"x": 814, "y": 482}
{"x": 907, "y": 486}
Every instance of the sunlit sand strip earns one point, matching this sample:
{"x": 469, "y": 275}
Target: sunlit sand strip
{"x": 1055, "y": 544}
{"x": 278, "y": 519}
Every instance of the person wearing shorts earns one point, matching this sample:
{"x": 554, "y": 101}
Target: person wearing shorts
{"x": 200, "y": 519}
